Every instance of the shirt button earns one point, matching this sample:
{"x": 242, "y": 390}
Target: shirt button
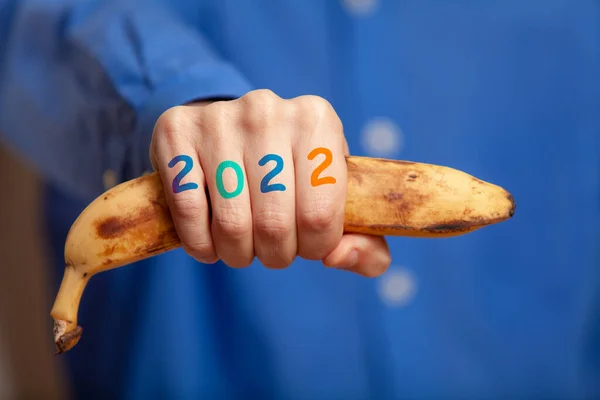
{"x": 360, "y": 7}
{"x": 397, "y": 287}
{"x": 381, "y": 137}
{"x": 109, "y": 178}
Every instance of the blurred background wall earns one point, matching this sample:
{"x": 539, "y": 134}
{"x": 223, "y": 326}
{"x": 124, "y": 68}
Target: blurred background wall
{"x": 28, "y": 369}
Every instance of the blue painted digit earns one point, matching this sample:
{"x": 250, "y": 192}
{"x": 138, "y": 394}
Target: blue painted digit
{"x": 264, "y": 184}
{"x": 189, "y": 163}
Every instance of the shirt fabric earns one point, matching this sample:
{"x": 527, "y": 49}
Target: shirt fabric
{"x": 504, "y": 90}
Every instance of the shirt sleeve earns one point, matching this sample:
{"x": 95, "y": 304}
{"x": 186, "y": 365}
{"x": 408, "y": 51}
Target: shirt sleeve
{"x": 83, "y": 82}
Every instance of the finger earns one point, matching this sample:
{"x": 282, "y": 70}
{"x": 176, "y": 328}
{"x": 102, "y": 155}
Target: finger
{"x": 272, "y": 193}
{"x": 184, "y": 185}
{"x": 223, "y": 162}
{"x": 321, "y": 179}
{"x": 365, "y": 255}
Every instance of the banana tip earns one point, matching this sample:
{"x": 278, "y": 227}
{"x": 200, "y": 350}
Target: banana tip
{"x": 513, "y": 205}
{"x": 65, "y": 341}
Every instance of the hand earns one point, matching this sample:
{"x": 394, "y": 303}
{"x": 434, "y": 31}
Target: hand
{"x": 276, "y": 179}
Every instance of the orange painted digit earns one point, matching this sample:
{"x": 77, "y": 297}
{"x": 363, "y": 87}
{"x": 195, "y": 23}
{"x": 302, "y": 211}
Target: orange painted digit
{"x": 314, "y": 178}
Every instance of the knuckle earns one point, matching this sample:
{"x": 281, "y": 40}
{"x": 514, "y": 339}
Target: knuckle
{"x": 320, "y": 217}
{"x": 254, "y": 120}
{"x": 317, "y": 104}
{"x": 321, "y": 105}
{"x": 304, "y": 106}
{"x": 233, "y": 224}
{"x": 260, "y": 108}
{"x": 171, "y": 123}
{"x": 273, "y": 226}
{"x": 313, "y": 111}
{"x": 260, "y": 96}
{"x": 213, "y": 118}
{"x": 188, "y": 208}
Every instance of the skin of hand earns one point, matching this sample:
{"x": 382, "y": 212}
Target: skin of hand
{"x": 277, "y": 226}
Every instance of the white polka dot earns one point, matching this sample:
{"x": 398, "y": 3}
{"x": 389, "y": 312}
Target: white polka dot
{"x": 360, "y": 7}
{"x": 381, "y": 137}
{"x": 397, "y": 287}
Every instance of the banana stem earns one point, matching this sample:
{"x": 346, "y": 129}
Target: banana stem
{"x": 64, "y": 312}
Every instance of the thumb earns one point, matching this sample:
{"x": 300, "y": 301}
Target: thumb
{"x": 365, "y": 255}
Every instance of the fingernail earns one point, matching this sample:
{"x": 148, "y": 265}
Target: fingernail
{"x": 349, "y": 261}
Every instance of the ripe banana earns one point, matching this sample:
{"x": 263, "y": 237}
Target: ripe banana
{"x": 131, "y": 221}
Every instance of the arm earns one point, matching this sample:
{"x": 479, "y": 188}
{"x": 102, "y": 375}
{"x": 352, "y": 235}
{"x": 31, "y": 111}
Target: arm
{"x": 83, "y": 82}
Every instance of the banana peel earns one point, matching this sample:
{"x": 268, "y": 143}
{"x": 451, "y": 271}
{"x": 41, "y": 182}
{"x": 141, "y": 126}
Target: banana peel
{"x": 132, "y": 222}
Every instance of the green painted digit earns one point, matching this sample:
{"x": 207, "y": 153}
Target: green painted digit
{"x": 240, "y": 179}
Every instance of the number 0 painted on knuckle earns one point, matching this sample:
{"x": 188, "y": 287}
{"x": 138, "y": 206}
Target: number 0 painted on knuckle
{"x": 189, "y": 163}
{"x": 264, "y": 184}
{"x": 219, "y": 178}
{"x": 315, "y": 180}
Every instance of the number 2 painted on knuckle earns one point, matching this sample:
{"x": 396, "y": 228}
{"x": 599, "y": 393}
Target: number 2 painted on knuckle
{"x": 189, "y": 163}
{"x": 315, "y": 180}
{"x": 264, "y": 184}
{"x": 219, "y": 178}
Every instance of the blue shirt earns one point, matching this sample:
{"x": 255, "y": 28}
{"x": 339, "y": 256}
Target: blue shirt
{"x": 505, "y": 90}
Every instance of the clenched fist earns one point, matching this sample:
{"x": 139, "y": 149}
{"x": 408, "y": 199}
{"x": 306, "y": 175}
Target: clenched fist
{"x": 261, "y": 176}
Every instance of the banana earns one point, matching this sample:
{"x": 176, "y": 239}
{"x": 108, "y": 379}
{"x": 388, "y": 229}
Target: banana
{"x": 131, "y": 221}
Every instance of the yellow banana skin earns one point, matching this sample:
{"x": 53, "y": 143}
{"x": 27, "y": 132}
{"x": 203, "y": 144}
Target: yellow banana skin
{"x": 131, "y": 221}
